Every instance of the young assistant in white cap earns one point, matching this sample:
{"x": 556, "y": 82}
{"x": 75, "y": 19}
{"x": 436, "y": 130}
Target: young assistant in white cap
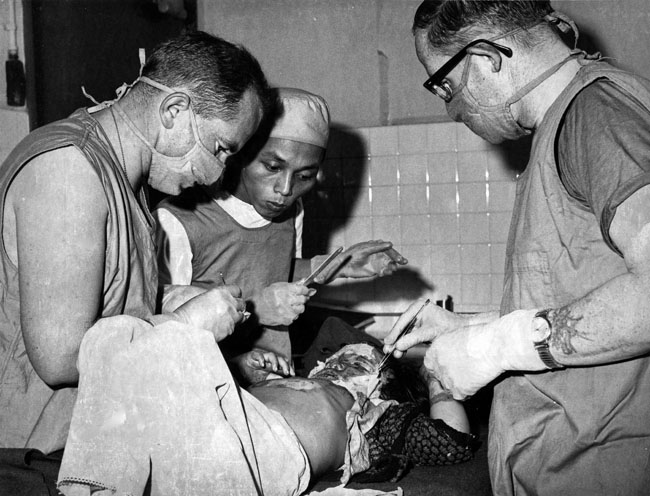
{"x": 247, "y": 229}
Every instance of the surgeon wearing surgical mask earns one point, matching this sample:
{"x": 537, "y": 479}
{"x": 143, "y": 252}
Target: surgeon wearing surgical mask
{"x": 567, "y": 352}
{"x": 77, "y": 232}
{"x": 248, "y": 229}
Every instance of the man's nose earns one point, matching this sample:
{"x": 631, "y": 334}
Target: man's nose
{"x": 284, "y": 185}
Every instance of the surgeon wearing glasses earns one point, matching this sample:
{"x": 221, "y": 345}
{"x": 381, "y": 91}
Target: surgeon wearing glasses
{"x": 567, "y": 352}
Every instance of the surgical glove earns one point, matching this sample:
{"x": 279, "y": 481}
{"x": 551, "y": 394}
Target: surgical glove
{"x": 216, "y": 310}
{"x": 469, "y": 358}
{"x": 175, "y": 295}
{"x": 280, "y": 303}
{"x": 366, "y": 259}
{"x": 431, "y": 322}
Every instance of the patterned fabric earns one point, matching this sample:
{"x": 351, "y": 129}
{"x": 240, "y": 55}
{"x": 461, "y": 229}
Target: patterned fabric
{"x": 407, "y": 436}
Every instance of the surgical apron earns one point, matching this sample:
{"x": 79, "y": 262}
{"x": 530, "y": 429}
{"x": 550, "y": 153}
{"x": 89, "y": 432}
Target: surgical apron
{"x": 32, "y": 415}
{"x": 580, "y": 430}
{"x": 251, "y": 258}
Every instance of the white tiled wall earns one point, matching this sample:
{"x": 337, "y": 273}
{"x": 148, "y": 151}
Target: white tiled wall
{"x": 442, "y": 195}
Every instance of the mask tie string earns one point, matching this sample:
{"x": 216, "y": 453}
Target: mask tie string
{"x": 122, "y": 90}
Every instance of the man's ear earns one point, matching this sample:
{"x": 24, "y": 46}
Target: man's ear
{"x": 171, "y": 106}
{"x": 485, "y": 50}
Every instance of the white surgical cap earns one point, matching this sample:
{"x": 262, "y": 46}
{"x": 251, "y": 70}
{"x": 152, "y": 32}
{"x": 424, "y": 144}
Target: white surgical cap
{"x": 303, "y": 117}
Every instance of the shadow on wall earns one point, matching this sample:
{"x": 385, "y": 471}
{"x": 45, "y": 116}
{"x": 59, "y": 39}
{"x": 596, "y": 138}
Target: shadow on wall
{"x": 328, "y": 207}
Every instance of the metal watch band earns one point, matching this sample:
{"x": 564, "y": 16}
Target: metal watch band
{"x": 546, "y": 357}
{"x": 542, "y": 346}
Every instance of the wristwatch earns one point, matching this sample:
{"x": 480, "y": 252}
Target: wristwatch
{"x": 541, "y": 336}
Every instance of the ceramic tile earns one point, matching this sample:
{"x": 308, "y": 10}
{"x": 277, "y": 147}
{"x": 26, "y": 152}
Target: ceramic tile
{"x": 415, "y": 230}
{"x": 474, "y": 228}
{"x": 445, "y": 229}
{"x": 357, "y": 202}
{"x": 383, "y": 141}
{"x": 468, "y": 141}
{"x": 441, "y": 137}
{"x": 472, "y": 166}
{"x": 412, "y": 169}
{"x": 476, "y": 289}
{"x": 355, "y": 171}
{"x": 412, "y": 139}
{"x": 498, "y": 166}
{"x": 413, "y": 199}
{"x": 497, "y": 257}
{"x": 499, "y": 226}
{"x": 357, "y": 229}
{"x": 497, "y": 289}
{"x": 447, "y": 285}
{"x": 386, "y": 228}
{"x": 502, "y": 196}
{"x": 442, "y": 198}
{"x": 419, "y": 257}
{"x": 445, "y": 259}
{"x": 385, "y": 200}
{"x": 475, "y": 259}
{"x": 442, "y": 167}
{"x": 472, "y": 197}
{"x": 383, "y": 170}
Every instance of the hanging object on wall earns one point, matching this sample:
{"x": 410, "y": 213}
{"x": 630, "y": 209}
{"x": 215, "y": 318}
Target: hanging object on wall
{"x": 175, "y": 8}
{"x": 13, "y": 66}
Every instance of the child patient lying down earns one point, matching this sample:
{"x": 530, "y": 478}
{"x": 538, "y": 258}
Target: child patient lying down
{"x": 158, "y": 410}
{"x": 348, "y": 392}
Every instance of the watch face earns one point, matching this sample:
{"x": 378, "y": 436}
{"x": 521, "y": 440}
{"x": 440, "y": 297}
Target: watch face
{"x": 541, "y": 329}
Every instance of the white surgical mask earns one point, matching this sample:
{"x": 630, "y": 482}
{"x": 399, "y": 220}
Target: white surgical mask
{"x": 495, "y": 123}
{"x": 169, "y": 174}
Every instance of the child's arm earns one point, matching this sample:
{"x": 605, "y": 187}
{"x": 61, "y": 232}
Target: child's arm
{"x": 443, "y": 406}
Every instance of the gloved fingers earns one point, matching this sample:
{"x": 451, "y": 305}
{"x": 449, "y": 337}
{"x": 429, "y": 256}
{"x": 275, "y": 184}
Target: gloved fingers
{"x": 331, "y": 270}
{"x": 235, "y": 291}
{"x": 400, "y": 324}
{"x": 300, "y": 289}
{"x": 367, "y": 248}
{"x": 296, "y": 300}
{"x": 298, "y": 309}
{"x": 388, "y": 269}
{"x": 396, "y": 257}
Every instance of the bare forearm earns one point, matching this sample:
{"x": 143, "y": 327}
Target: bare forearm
{"x": 611, "y": 323}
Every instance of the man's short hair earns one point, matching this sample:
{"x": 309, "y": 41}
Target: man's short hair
{"x": 451, "y": 24}
{"x": 214, "y": 72}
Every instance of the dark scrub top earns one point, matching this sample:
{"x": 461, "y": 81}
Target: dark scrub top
{"x": 581, "y": 430}
{"x": 251, "y": 258}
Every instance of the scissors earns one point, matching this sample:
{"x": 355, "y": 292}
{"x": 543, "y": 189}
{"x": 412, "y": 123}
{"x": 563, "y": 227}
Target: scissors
{"x": 407, "y": 328}
{"x": 310, "y": 278}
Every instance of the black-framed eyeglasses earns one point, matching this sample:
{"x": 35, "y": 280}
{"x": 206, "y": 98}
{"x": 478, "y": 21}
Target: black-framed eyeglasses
{"x": 438, "y": 85}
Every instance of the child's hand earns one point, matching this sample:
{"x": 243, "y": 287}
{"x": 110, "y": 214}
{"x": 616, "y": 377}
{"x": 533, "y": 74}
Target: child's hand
{"x": 258, "y": 359}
